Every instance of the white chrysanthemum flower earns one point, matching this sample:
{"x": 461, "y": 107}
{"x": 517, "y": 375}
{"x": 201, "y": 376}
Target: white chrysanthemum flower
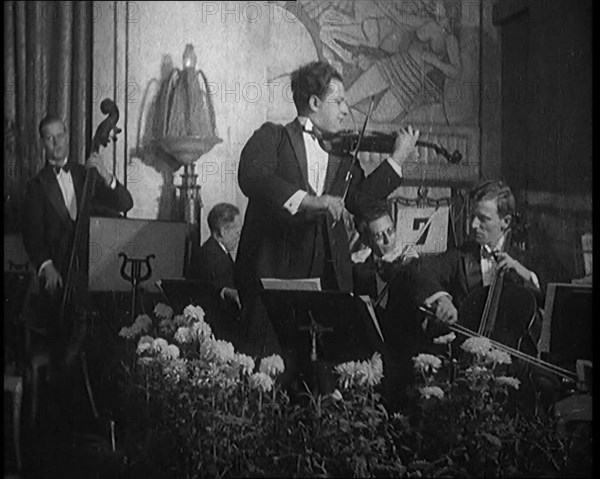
{"x": 508, "y": 381}
{"x": 195, "y": 312}
{"x": 479, "y": 346}
{"x": 144, "y": 344}
{"x": 163, "y": 311}
{"x": 183, "y": 335}
{"x": 272, "y": 365}
{"x": 225, "y": 350}
{"x": 245, "y": 363}
{"x": 143, "y": 323}
{"x": 427, "y": 362}
{"x": 346, "y": 373}
{"x": 160, "y": 345}
{"x": 498, "y": 357}
{"x": 201, "y": 330}
{"x": 170, "y": 352}
{"x": 261, "y": 381}
{"x": 445, "y": 339}
{"x": 127, "y": 332}
{"x": 431, "y": 391}
{"x": 361, "y": 373}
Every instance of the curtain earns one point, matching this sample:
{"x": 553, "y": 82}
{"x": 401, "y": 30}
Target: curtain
{"x": 47, "y": 71}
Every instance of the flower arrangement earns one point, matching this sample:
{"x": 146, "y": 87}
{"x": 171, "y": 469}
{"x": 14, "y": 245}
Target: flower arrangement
{"x": 462, "y": 422}
{"x": 195, "y": 407}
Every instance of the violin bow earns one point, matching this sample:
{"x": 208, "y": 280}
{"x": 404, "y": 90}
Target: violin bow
{"x": 355, "y": 154}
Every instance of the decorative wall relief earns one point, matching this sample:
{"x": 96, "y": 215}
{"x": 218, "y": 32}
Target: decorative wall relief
{"x": 408, "y": 54}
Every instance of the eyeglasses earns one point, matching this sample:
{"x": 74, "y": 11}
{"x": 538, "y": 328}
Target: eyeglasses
{"x": 384, "y": 234}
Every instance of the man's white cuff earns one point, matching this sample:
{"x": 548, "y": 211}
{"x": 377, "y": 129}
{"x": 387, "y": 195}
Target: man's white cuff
{"x": 397, "y": 168}
{"x": 293, "y": 204}
{"x": 44, "y": 264}
{"x": 434, "y": 297}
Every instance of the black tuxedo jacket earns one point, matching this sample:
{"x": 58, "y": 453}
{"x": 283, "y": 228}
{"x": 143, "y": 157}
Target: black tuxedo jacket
{"x": 48, "y": 230}
{"x": 214, "y": 265}
{"x": 458, "y": 272}
{"x": 273, "y": 243}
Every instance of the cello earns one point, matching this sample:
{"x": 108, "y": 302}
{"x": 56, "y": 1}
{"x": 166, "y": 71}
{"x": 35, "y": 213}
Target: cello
{"x": 507, "y": 315}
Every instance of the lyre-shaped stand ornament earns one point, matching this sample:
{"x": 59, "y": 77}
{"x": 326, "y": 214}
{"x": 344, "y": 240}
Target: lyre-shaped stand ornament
{"x": 135, "y": 277}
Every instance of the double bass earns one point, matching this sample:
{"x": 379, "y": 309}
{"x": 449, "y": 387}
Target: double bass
{"x": 73, "y": 314}
{"x": 75, "y": 279}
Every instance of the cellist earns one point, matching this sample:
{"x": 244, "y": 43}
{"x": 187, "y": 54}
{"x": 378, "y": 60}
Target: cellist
{"x": 443, "y": 281}
{"x": 52, "y": 206}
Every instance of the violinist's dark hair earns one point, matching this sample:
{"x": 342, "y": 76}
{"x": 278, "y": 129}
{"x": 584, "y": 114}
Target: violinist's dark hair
{"x": 47, "y": 120}
{"x": 368, "y": 214}
{"x": 312, "y": 79}
{"x": 221, "y": 215}
{"x": 498, "y": 190}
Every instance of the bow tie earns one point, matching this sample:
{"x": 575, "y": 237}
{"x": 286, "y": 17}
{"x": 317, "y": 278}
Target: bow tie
{"x": 314, "y": 133}
{"x": 489, "y": 253}
{"x": 66, "y": 168}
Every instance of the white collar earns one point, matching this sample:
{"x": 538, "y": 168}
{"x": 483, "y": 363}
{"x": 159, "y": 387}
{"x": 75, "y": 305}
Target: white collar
{"x": 306, "y": 123}
{"x": 499, "y": 245}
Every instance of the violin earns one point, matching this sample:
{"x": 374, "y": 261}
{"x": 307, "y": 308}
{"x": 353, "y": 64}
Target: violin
{"x": 345, "y": 142}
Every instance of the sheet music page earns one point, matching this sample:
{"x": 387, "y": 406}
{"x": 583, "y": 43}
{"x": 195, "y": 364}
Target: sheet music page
{"x": 371, "y": 309}
{"x": 303, "y": 284}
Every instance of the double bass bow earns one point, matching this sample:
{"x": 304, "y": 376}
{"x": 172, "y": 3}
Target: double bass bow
{"x": 107, "y": 130}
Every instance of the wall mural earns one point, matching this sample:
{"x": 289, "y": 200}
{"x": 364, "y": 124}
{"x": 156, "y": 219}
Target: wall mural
{"x": 403, "y": 52}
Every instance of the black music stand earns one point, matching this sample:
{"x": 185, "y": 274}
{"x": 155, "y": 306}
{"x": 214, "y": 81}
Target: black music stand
{"x": 327, "y": 326}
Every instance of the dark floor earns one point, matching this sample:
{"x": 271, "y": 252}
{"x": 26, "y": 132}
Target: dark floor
{"x": 54, "y": 449}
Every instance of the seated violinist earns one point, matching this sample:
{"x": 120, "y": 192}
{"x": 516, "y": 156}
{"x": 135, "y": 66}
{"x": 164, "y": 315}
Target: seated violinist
{"x": 379, "y": 272}
{"x": 380, "y": 259}
{"x": 444, "y": 281}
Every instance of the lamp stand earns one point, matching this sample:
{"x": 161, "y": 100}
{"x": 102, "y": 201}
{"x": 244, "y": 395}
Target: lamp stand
{"x": 191, "y": 205}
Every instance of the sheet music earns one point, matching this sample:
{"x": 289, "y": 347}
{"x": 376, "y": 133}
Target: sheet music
{"x": 303, "y": 284}
{"x": 371, "y": 309}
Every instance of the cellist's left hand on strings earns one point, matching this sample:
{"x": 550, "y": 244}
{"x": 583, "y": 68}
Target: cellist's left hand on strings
{"x": 95, "y": 161}
{"x": 507, "y": 263}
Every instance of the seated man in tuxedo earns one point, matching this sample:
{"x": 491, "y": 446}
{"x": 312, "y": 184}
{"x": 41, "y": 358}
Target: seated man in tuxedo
{"x": 379, "y": 271}
{"x": 381, "y": 259}
{"x": 443, "y": 281}
{"x": 53, "y": 203}
{"x": 215, "y": 264}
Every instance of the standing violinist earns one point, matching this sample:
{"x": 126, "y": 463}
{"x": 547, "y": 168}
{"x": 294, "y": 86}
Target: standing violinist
{"x": 52, "y": 204}
{"x": 443, "y": 281}
{"x": 293, "y": 224}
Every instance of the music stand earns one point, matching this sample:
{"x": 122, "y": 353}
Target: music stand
{"x": 330, "y": 326}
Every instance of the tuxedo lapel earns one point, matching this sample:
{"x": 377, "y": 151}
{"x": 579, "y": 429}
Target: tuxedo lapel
{"x": 472, "y": 269}
{"x": 53, "y": 193}
{"x": 294, "y": 130}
